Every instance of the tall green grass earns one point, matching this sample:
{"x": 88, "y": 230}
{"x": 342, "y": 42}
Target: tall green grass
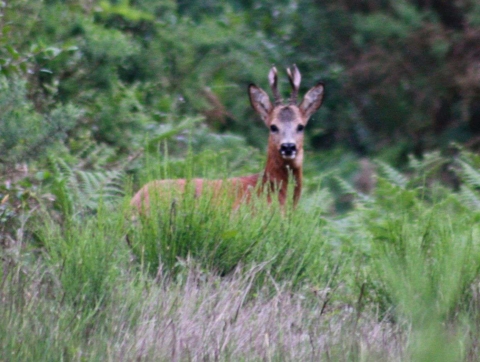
{"x": 393, "y": 279}
{"x": 221, "y": 238}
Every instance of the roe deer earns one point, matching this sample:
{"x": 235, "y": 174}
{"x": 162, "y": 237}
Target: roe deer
{"x": 286, "y": 123}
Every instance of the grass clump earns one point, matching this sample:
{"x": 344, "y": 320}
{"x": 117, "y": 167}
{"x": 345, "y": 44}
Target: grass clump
{"x": 221, "y": 238}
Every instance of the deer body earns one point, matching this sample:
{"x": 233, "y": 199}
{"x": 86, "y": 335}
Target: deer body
{"x": 286, "y": 123}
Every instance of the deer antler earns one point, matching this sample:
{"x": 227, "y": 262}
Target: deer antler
{"x": 295, "y": 78}
{"x": 272, "y": 79}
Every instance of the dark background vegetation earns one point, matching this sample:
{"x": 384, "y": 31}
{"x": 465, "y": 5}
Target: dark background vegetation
{"x": 402, "y": 76}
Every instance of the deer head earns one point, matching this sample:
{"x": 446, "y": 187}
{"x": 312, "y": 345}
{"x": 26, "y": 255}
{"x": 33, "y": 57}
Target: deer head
{"x": 286, "y": 122}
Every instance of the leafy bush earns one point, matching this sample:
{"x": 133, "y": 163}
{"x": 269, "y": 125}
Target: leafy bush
{"x": 26, "y": 134}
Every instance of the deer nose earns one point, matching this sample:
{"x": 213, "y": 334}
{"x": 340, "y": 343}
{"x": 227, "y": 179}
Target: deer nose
{"x": 288, "y": 149}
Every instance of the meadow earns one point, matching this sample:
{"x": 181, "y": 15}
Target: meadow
{"x": 393, "y": 278}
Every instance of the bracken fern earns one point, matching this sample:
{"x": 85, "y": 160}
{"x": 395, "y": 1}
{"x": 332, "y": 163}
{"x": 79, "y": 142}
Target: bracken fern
{"x": 76, "y": 190}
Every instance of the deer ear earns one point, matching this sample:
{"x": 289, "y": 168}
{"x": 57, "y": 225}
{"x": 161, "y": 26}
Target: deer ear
{"x": 312, "y": 100}
{"x": 260, "y": 101}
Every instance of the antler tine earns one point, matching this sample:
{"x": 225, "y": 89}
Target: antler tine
{"x": 272, "y": 79}
{"x": 295, "y": 78}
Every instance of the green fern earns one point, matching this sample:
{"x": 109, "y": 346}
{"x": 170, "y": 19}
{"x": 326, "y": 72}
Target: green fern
{"x": 469, "y": 198}
{"x": 471, "y": 158}
{"x": 76, "y": 190}
{"x": 428, "y": 165}
{"x": 93, "y": 155}
{"x": 392, "y": 175}
{"x": 469, "y": 174}
{"x": 345, "y": 187}
{"x": 96, "y": 186}
{"x": 348, "y": 189}
{"x": 466, "y": 168}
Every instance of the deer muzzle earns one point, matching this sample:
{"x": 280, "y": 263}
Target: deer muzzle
{"x": 288, "y": 151}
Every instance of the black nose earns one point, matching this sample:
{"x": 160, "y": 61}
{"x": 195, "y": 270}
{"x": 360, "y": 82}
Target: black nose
{"x": 288, "y": 149}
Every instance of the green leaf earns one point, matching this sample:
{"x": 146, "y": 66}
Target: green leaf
{"x": 11, "y": 50}
{"x": 6, "y": 30}
{"x": 71, "y": 48}
{"x": 52, "y": 52}
{"x": 126, "y": 11}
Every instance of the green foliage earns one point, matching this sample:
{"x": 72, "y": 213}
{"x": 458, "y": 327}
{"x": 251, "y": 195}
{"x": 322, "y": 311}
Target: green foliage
{"x": 77, "y": 190}
{"x": 26, "y": 133}
{"x": 403, "y": 67}
{"x": 125, "y": 10}
{"x": 383, "y": 27}
{"x": 93, "y": 91}
{"x": 107, "y": 46}
{"x": 168, "y": 131}
{"x": 87, "y": 257}
{"x": 209, "y": 231}
{"x": 186, "y": 150}
{"x": 427, "y": 272}
{"x": 474, "y": 15}
{"x": 411, "y": 257}
{"x": 118, "y": 118}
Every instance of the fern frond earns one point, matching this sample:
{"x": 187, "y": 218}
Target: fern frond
{"x": 469, "y": 198}
{"x": 97, "y": 183}
{"x": 430, "y": 162}
{"x": 347, "y": 189}
{"x": 392, "y": 175}
{"x": 469, "y": 157}
{"x": 469, "y": 174}
{"x": 78, "y": 189}
{"x": 60, "y": 168}
{"x": 92, "y": 153}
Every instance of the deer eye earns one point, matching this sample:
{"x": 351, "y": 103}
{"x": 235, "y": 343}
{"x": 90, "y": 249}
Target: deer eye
{"x": 273, "y": 128}
{"x": 300, "y": 128}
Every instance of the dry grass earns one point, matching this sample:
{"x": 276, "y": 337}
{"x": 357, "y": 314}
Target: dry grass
{"x": 211, "y": 318}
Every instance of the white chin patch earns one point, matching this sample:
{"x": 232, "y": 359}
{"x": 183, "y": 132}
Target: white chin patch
{"x": 289, "y": 157}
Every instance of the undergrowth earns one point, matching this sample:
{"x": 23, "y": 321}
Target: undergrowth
{"x": 395, "y": 278}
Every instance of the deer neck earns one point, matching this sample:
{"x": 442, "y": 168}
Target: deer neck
{"x": 279, "y": 171}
